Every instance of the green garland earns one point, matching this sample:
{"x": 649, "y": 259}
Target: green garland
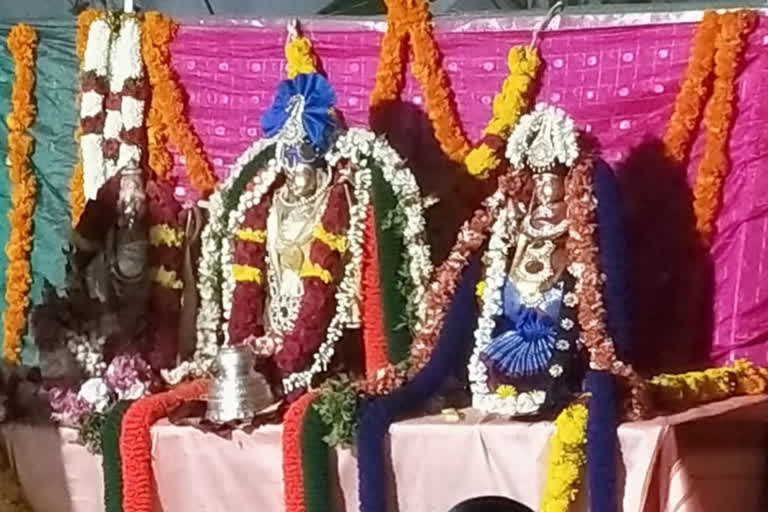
{"x": 89, "y": 434}
{"x": 390, "y": 254}
{"x": 246, "y": 174}
{"x": 315, "y": 454}
{"x": 110, "y": 449}
{"x": 337, "y": 407}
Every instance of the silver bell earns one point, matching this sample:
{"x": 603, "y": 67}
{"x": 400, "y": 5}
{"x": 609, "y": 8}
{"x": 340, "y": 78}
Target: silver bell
{"x": 237, "y": 392}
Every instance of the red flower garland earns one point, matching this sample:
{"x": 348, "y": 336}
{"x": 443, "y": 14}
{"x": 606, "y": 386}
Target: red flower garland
{"x": 293, "y": 478}
{"x": 136, "y": 441}
{"x": 374, "y": 337}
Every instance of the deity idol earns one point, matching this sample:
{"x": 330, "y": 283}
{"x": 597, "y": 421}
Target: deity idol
{"x": 542, "y": 294}
{"x": 282, "y": 253}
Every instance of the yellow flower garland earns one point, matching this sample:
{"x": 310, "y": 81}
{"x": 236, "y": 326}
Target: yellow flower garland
{"x": 508, "y": 105}
{"x": 699, "y": 387}
{"x": 245, "y": 273}
{"x": 314, "y": 270}
{"x": 336, "y": 243}
{"x": 163, "y": 234}
{"x": 252, "y": 235}
{"x": 300, "y": 57}
{"x": 167, "y": 278}
{"x": 22, "y": 43}
{"x": 566, "y": 459}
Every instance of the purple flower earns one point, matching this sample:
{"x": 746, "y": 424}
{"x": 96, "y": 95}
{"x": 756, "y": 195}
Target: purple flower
{"x": 129, "y": 376}
{"x": 68, "y": 409}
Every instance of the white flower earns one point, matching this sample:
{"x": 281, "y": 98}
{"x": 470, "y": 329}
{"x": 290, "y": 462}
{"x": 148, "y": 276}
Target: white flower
{"x": 95, "y": 393}
{"x": 567, "y": 324}
{"x": 555, "y": 370}
{"x": 526, "y": 404}
{"x": 570, "y": 299}
{"x": 562, "y": 345}
{"x": 134, "y": 392}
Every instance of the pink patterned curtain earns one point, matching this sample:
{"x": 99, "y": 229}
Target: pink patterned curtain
{"x": 617, "y": 76}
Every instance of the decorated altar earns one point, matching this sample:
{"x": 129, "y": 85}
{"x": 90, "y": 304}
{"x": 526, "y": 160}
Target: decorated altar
{"x": 258, "y": 262}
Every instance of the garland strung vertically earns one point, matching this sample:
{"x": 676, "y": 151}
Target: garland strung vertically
{"x": 716, "y": 56}
{"x": 166, "y": 120}
{"x": 566, "y": 459}
{"x": 408, "y": 23}
{"x": 718, "y": 119}
{"x": 76, "y": 183}
{"x": 22, "y": 44}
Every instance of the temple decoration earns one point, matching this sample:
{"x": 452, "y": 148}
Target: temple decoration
{"x": 167, "y": 121}
{"x": 282, "y": 253}
{"x": 22, "y": 45}
{"x": 112, "y": 100}
{"x": 715, "y": 61}
{"x": 566, "y": 459}
{"x": 76, "y": 192}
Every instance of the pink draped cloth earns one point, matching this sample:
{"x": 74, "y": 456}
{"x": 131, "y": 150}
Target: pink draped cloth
{"x": 617, "y": 75}
{"x": 681, "y": 463}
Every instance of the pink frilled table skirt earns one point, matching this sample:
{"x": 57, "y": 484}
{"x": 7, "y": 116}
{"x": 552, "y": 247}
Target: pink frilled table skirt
{"x": 709, "y": 458}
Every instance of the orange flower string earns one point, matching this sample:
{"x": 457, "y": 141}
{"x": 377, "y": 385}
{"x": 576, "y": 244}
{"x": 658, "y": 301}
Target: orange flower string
{"x": 22, "y": 43}
{"x": 410, "y": 19}
{"x": 136, "y": 441}
{"x": 293, "y": 479}
{"x": 374, "y": 337}
{"x": 166, "y": 120}
{"x": 718, "y": 119}
{"x": 693, "y": 91}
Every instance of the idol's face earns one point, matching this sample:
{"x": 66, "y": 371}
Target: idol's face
{"x": 549, "y": 196}
{"x": 302, "y": 180}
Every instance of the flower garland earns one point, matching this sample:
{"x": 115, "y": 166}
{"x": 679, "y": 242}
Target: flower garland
{"x": 300, "y": 56}
{"x": 22, "y": 44}
{"x": 165, "y": 260}
{"x": 695, "y": 388}
{"x": 136, "y": 441}
{"x": 693, "y": 91}
{"x": 11, "y": 494}
{"x": 76, "y": 183}
{"x": 566, "y": 459}
{"x": 166, "y": 121}
{"x": 718, "y": 119}
{"x": 509, "y": 104}
{"x": 408, "y": 21}
{"x": 110, "y": 452}
{"x": 583, "y": 255}
{"x": 305, "y": 458}
{"x": 93, "y": 94}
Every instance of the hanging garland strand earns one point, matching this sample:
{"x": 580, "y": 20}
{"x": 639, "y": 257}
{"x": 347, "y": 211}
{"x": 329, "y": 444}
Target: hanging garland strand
{"x": 718, "y": 119}
{"x": 566, "y": 459}
{"x": 22, "y": 44}
{"x": 166, "y": 120}
{"x": 110, "y": 461}
{"x": 693, "y": 91}
{"x": 76, "y": 195}
{"x": 408, "y": 20}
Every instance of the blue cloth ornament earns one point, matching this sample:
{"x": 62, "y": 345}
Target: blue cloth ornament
{"x": 526, "y": 349}
{"x": 316, "y": 118}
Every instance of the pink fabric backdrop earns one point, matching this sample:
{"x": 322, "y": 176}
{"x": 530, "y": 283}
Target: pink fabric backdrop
{"x": 619, "y": 83}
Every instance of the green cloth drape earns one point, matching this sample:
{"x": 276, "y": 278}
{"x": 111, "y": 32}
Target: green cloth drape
{"x": 56, "y": 89}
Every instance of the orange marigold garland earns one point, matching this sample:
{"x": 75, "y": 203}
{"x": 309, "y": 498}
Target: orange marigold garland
{"x": 136, "y": 441}
{"x": 410, "y": 19}
{"x": 166, "y": 120}
{"x": 693, "y": 91}
{"x": 293, "y": 480}
{"x": 374, "y": 335}
{"x": 718, "y": 119}
{"x": 22, "y": 43}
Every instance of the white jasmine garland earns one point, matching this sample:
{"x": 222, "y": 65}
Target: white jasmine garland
{"x": 96, "y": 57}
{"x": 496, "y": 257}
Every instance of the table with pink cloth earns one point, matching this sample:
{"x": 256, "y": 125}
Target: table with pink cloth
{"x": 708, "y": 458}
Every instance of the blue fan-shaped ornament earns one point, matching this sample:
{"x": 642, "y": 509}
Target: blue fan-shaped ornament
{"x": 526, "y": 349}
